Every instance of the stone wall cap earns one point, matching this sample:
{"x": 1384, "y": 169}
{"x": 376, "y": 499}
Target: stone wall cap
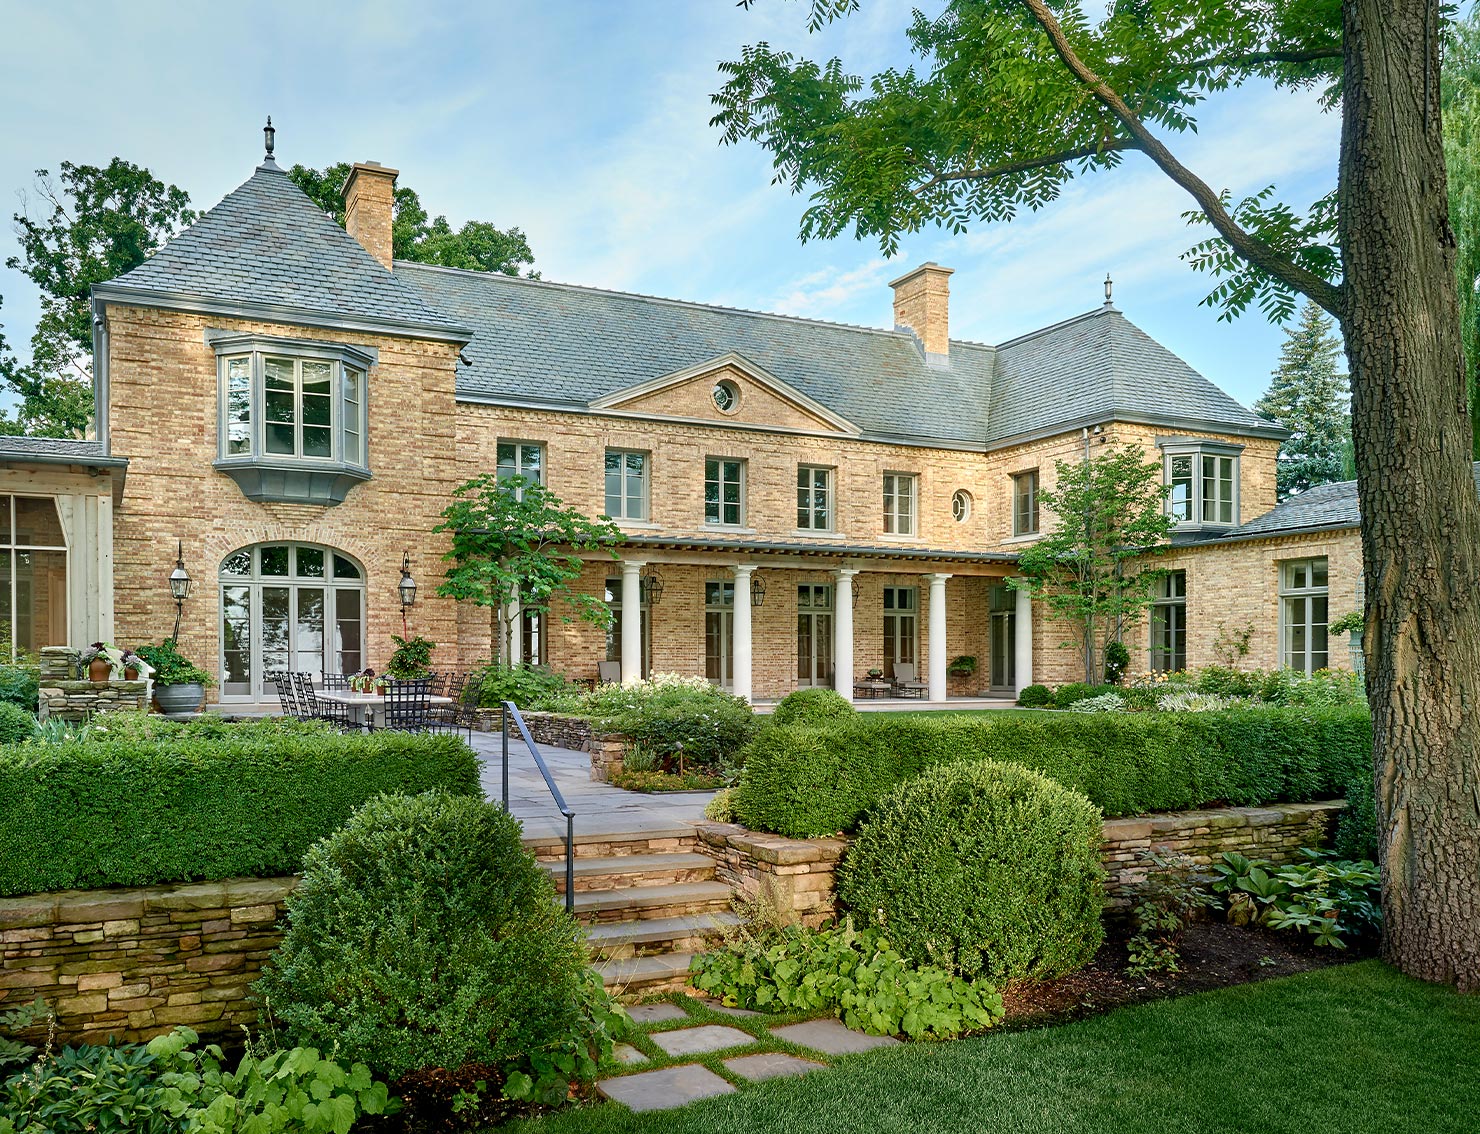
{"x": 775, "y": 849}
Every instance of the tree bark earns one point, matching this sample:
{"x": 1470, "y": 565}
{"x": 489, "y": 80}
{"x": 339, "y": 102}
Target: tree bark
{"x": 1420, "y": 515}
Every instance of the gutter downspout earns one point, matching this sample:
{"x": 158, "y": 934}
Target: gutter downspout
{"x": 100, "y": 376}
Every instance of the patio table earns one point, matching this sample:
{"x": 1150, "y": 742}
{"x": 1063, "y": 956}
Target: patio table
{"x": 872, "y": 690}
{"x": 364, "y": 707}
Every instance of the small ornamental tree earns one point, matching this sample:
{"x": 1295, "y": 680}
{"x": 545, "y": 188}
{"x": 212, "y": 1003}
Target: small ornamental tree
{"x": 513, "y": 539}
{"x": 1091, "y": 569}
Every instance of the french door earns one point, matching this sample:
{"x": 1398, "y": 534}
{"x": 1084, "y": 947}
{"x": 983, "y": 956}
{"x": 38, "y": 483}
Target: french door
{"x": 288, "y": 606}
{"x": 1004, "y": 638}
{"x": 901, "y": 628}
{"x": 814, "y": 634}
{"x": 719, "y": 633}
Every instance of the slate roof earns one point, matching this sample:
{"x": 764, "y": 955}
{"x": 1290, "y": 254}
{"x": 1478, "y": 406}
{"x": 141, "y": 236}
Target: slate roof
{"x": 564, "y": 345}
{"x": 55, "y": 450}
{"x": 267, "y": 244}
{"x": 1323, "y": 507}
{"x": 1100, "y": 365}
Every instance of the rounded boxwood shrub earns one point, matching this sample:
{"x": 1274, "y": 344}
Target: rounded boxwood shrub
{"x": 985, "y": 868}
{"x": 424, "y": 935}
{"x": 1035, "y": 696}
{"x": 15, "y": 723}
{"x": 811, "y": 706}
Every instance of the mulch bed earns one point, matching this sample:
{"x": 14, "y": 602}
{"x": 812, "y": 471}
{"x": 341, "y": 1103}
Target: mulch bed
{"x": 1214, "y": 955}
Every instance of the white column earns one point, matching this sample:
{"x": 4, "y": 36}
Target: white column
{"x": 1023, "y": 641}
{"x": 937, "y": 674}
{"x": 843, "y": 632}
{"x": 632, "y": 620}
{"x": 514, "y": 641}
{"x": 740, "y": 679}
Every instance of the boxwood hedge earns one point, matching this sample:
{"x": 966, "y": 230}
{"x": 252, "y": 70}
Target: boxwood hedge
{"x": 804, "y": 782}
{"x": 158, "y": 803}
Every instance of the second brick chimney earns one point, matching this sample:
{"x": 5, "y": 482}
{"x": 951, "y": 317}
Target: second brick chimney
{"x": 922, "y": 303}
{"x": 369, "y": 203}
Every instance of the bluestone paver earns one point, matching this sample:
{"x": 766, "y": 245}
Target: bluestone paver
{"x": 627, "y": 1055}
{"x": 656, "y": 1013}
{"x": 665, "y": 1089}
{"x": 697, "y": 1041}
{"x": 770, "y": 1065}
{"x": 831, "y": 1037}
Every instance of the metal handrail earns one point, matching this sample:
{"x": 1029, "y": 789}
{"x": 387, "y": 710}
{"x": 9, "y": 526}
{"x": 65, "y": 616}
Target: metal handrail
{"x": 512, "y": 710}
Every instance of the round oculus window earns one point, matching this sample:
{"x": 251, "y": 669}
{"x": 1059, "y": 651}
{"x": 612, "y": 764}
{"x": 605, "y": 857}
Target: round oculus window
{"x": 726, "y": 396}
{"x": 961, "y": 505}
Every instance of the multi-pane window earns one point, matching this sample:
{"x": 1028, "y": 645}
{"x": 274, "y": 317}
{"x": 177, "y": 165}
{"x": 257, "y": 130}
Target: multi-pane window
{"x": 292, "y": 408}
{"x": 521, "y": 458}
{"x": 719, "y": 628}
{"x": 899, "y": 503}
{"x": 33, "y": 577}
{"x": 901, "y": 627}
{"x": 814, "y": 498}
{"x": 724, "y": 491}
{"x": 626, "y": 484}
{"x": 1025, "y": 503}
{"x": 1169, "y": 623}
{"x": 1303, "y": 598}
{"x": 1202, "y": 487}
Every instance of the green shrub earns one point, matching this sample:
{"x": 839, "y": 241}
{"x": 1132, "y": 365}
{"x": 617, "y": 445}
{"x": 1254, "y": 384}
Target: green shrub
{"x": 1117, "y": 660}
{"x": 411, "y": 658}
{"x": 19, "y": 685}
{"x": 530, "y": 687}
{"x": 681, "y": 721}
{"x": 16, "y": 724}
{"x": 986, "y": 869}
{"x": 856, "y": 974}
{"x": 805, "y": 782}
{"x": 1035, "y": 697}
{"x": 811, "y": 706}
{"x": 424, "y": 935}
{"x": 1356, "y": 830}
{"x": 1066, "y": 696}
{"x": 1319, "y": 894}
{"x": 143, "y": 801}
{"x": 172, "y": 667}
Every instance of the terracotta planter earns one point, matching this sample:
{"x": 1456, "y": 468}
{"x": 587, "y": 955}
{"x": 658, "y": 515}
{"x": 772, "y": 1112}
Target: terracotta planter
{"x": 98, "y": 669}
{"x": 130, "y": 674}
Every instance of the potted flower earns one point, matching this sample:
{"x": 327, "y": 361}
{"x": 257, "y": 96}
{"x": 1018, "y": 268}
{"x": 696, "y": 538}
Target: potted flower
{"x": 876, "y": 674}
{"x": 412, "y": 658}
{"x": 179, "y": 684}
{"x": 103, "y": 659}
{"x": 366, "y": 682}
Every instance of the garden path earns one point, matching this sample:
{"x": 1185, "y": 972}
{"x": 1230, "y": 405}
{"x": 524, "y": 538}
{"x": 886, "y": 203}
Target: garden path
{"x": 600, "y": 808}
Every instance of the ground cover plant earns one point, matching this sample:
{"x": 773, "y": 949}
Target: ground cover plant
{"x": 807, "y": 782}
{"x": 134, "y": 800}
{"x": 1331, "y": 899}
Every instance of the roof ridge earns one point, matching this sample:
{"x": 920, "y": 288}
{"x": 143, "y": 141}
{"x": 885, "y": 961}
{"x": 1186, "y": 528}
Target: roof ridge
{"x": 1062, "y": 323}
{"x": 502, "y": 277}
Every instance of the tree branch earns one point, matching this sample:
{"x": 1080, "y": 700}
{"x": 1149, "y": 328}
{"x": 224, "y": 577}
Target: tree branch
{"x": 1326, "y": 294}
{"x": 1026, "y": 165}
{"x": 1258, "y": 58}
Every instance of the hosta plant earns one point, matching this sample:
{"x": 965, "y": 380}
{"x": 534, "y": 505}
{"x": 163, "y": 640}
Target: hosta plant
{"x": 1329, "y": 898}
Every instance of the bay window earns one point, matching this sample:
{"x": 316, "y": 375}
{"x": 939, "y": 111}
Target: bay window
{"x": 1201, "y": 480}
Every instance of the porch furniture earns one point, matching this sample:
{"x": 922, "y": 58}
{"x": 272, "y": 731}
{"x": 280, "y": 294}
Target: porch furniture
{"x": 609, "y": 672}
{"x": 907, "y": 681}
{"x": 333, "y": 681}
{"x": 872, "y": 690}
{"x": 366, "y": 709}
{"x": 439, "y": 683}
{"x": 408, "y": 705}
{"x": 284, "y": 686}
{"x": 311, "y": 707}
{"x": 462, "y": 714}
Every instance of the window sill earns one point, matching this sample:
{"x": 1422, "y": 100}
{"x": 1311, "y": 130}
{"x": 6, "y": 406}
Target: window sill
{"x": 730, "y": 529}
{"x": 888, "y": 537}
{"x": 270, "y": 481}
{"x": 1026, "y": 537}
{"x": 638, "y": 525}
{"x": 817, "y": 533}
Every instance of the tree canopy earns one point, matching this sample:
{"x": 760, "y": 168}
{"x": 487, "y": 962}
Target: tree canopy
{"x": 1308, "y": 396}
{"x": 477, "y": 245}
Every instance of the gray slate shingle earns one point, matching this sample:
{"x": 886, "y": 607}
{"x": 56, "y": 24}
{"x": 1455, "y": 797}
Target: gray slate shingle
{"x": 19, "y": 448}
{"x": 268, "y": 243}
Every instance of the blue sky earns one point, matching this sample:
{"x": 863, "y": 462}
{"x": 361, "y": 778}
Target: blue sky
{"x": 586, "y": 124}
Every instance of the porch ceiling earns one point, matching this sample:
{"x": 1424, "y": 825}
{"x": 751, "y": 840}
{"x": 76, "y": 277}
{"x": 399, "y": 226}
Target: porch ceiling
{"x": 856, "y": 553}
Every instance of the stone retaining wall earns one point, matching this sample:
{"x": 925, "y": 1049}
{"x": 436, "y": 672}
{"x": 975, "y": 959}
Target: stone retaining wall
{"x": 134, "y": 963}
{"x": 798, "y": 875}
{"x": 560, "y": 730}
{"x": 63, "y": 695}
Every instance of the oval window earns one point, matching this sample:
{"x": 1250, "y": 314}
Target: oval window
{"x": 961, "y": 505}
{"x": 726, "y": 396}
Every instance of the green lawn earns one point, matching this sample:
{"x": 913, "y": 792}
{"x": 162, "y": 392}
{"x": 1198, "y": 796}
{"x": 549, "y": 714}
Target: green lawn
{"x": 1355, "y": 1049}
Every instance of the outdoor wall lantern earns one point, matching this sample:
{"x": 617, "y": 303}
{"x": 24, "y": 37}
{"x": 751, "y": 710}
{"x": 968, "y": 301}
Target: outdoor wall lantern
{"x": 757, "y": 591}
{"x": 407, "y": 585}
{"x": 652, "y": 586}
{"x": 179, "y": 586}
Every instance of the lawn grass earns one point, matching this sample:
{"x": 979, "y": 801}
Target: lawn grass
{"x": 1353, "y": 1049}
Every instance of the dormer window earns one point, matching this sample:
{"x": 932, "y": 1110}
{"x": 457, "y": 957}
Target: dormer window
{"x": 1202, "y": 481}
{"x": 292, "y": 417}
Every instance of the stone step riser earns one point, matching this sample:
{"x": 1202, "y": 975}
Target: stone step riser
{"x": 655, "y": 909}
{"x": 655, "y": 877}
{"x": 645, "y": 986}
{"x": 547, "y": 851}
{"x": 692, "y": 942}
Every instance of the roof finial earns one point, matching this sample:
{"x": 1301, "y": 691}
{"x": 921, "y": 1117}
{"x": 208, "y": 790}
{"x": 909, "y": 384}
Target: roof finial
{"x": 1109, "y": 286}
{"x": 269, "y": 137}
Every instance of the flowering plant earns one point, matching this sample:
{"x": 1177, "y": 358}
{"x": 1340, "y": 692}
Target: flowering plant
{"x": 117, "y": 659}
{"x": 366, "y": 682}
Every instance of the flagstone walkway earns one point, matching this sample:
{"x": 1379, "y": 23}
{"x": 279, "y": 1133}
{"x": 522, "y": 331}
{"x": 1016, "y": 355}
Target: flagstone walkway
{"x": 721, "y": 1057}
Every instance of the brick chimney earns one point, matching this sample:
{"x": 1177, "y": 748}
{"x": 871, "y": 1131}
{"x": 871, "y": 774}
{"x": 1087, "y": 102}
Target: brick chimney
{"x": 369, "y": 199}
{"x": 922, "y": 303}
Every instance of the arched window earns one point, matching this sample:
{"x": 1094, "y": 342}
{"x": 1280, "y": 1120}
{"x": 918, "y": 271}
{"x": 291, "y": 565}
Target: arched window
{"x": 288, "y": 606}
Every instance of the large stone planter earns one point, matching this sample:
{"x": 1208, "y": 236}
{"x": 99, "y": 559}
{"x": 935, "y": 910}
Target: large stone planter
{"x": 177, "y": 699}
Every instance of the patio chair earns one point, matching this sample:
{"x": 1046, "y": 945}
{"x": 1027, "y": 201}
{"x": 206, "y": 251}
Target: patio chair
{"x": 339, "y": 682}
{"x": 284, "y": 686}
{"x": 462, "y": 714}
{"x": 407, "y": 705}
{"x": 907, "y": 682}
{"x": 439, "y": 683}
{"x": 609, "y": 673}
{"x": 311, "y": 708}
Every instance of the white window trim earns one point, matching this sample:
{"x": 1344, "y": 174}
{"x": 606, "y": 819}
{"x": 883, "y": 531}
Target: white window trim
{"x": 1037, "y": 529}
{"x": 645, "y": 486}
{"x": 830, "y": 476}
{"x": 744, "y": 494}
{"x": 1196, "y": 450}
{"x": 913, "y": 479}
{"x": 1286, "y": 591}
{"x": 520, "y": 444}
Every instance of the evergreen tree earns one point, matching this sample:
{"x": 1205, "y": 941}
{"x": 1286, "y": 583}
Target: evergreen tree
{"x": 1309, "y": 397}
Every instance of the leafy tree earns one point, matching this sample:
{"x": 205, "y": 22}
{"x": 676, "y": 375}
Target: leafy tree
{"x": 1092, "y": 569}
{"x": 478, "y": 245}
{"x": 90, "y": 225}
{"x": 513, "y": 539}
{"x": 1016, "y": 97}
{"x": 1459, "y": 93}
{"x": 1309, "y": 397}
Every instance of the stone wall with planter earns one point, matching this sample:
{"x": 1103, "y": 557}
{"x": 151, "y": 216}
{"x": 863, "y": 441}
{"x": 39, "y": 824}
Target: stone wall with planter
{"x": 63, "y": 695}
{"x": 133, "y": 963}
{"x": 798, "y": 875}
{"x": 561, "y": 730}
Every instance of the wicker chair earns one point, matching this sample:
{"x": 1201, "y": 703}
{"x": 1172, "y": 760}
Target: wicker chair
{"x": 408, "y": 705}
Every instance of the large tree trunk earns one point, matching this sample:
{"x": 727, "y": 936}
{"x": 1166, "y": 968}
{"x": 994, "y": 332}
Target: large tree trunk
{"x": 1420, "y": 516}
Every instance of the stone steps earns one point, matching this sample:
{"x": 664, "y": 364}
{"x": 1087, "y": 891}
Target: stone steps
{"x": 646, "y": 974}
{"x": 685, "y": 933}
{"x": 647, "y": 903}
{"x": 623, "y": 872}
{"x": 669, "y": 840}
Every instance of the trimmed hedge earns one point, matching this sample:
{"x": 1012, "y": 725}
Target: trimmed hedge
{"x": 152, "y": 803}
{"x": 807, "y": 782}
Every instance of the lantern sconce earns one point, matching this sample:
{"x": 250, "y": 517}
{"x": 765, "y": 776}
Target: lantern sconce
{"x": 179, "y": 586}
{"x": 407, "y": 586}
{"x": 652, "y": 586}
{"x": 757, "y": 591}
